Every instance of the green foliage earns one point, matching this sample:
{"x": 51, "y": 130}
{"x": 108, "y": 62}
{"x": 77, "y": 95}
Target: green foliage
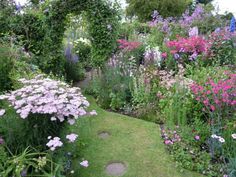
{"x": 74, "y": 71}
{"x": 83, "y": 50}
{"x": 6, "y": 12}
{"x": 43, "y": 27}
{"x": 177, "y": 106}
{"x": 202, "y": 74}
{"x": 144, "y": 9}
{"x": 6, "y": 66}
{"x": 19, "y": 133}
{"x": 29, "y": 162}
{"x": 111, "y": 89}
{"x": 3, "y": 157}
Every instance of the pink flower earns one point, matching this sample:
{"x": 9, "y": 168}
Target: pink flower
{"x": 212, "y": 107}
{"x": 167, "y": 142}
{"x": 2, "y": 112}
{"x": 71, "y": 137}
{"x": 84, "y": 163}
{"x": 54, "y": 143}
{"x": 164, "y": 55}
{"x": 197, "y": 137}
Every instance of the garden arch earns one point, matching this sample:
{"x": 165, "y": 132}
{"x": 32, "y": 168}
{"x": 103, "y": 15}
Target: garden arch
{"x": 45, "y": 31}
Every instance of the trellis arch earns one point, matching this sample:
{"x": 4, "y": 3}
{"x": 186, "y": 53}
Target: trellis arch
{"x": 44, "y": 31}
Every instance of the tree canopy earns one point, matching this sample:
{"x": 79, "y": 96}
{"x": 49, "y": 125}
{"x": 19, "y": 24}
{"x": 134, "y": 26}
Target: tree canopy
{"x": 143, "y": 9}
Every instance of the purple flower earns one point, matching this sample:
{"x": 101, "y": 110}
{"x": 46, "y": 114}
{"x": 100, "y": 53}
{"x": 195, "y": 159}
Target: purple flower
{"x": 193, "y": 31}
{"x": 18, "y": 7}
{"x": 23, "y": 173}
{"x": 193, "y": 56}
{"x": 176, "y": 56}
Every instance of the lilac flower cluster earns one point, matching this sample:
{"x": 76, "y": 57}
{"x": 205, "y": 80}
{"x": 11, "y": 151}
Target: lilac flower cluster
{"x": 54, "y": 143}
{"x": 47, "y": 96}
{"x": 187, "y": 19}
{"x": 163, "y": 23}
{"x": 72, "y": 137}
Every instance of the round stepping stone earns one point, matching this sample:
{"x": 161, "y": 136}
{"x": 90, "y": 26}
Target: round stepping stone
{"x": 104, "y": 134}
{"x": 116, "y": 169}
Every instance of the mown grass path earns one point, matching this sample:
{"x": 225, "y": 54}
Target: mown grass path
{"x": 135, "y": 142}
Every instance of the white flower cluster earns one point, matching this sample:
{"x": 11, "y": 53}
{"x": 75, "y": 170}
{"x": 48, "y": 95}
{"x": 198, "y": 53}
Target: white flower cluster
{"x": 219, "y": 138}
{"x": 152, "y": 56}
{"x": 47, "y": 96}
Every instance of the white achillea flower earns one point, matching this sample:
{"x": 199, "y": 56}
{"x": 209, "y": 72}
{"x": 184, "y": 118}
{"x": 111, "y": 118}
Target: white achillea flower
{"x": 234, "y": 136}
{"x": 222, "y": 140}
{"x": 2, "y": 112}
{"x": 54, "y": 143}
{"x": 47, "y": 96}
{"x": 214, "y": 136}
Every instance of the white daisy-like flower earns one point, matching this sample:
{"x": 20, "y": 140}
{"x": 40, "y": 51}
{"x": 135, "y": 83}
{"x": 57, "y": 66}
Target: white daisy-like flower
{"x": 2, "y": 112}
{"x": 215, "y": 136}
{"x": 234, "y": 136}
{"x": 222, "y": 140}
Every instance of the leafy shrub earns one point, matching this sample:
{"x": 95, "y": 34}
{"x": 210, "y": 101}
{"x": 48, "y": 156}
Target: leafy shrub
{"x": 83, "y": 50}
{"x": 6, "y": 66}
{"x": 74, "y": 71}
{"x": 222, "y": 49}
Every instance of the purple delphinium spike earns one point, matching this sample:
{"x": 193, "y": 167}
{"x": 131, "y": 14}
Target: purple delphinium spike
{"x": 18, "y": 7}
{"x": 232, "y": 24}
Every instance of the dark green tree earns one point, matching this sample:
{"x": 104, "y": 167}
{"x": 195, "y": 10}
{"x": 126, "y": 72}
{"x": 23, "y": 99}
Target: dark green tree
{"x": 204, "y": 1}
{"x": 143, "y": 9}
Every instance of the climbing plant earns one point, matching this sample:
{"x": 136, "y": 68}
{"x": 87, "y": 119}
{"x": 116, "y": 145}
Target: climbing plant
{"x": 42, "y": 26}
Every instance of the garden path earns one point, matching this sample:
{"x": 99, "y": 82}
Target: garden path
{"x": 135, "y": 143}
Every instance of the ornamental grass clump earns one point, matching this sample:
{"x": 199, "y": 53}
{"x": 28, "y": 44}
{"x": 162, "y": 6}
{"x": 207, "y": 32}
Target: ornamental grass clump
{"x": 45, "y": 105}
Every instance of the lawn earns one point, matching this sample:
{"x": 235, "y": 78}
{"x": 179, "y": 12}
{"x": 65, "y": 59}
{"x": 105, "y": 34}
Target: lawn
{"x": 135, "y": 142}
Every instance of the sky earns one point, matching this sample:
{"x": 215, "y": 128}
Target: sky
{"x": 224, "y": 5}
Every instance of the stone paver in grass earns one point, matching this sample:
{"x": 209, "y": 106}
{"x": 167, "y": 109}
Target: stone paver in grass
{"x": 116, "y": 169}
{"x": 103, "y": 134}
